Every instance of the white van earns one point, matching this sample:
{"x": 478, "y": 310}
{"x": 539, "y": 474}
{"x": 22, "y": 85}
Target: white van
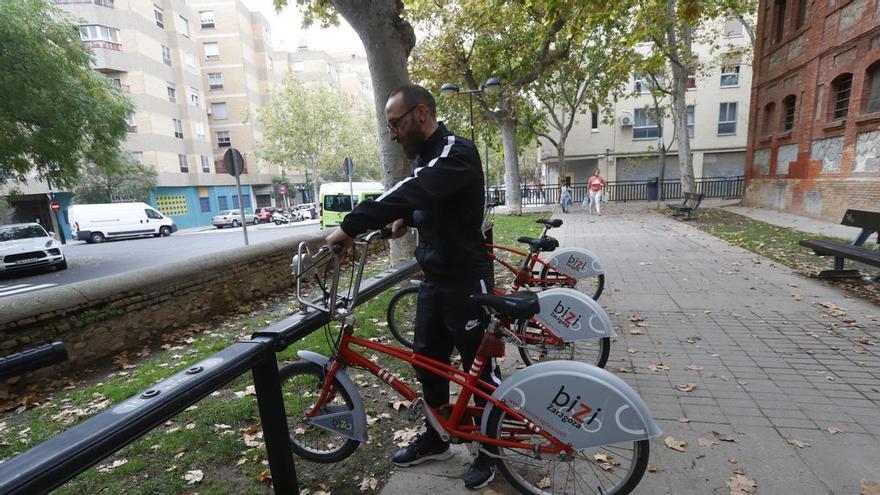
{"x": 336, "y": 199}
{"x": 95, "y": 223}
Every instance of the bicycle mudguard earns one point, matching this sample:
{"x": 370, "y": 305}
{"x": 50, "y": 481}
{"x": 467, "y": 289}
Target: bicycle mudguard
{"x": 572, "y": 315}
{"x": 577, "y": 403}
{"x": 348, "y": 423}
{"x": 576, "y": 263}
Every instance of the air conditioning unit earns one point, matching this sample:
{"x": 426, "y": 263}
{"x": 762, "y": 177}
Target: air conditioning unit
{"x": 209, "y": 110}
{"x": 626, "y": 121}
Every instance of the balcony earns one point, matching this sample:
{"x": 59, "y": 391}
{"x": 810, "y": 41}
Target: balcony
{"x": 102, "y": 3}
{"x": 109, "y": 45}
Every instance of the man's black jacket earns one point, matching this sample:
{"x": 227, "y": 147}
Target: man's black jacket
{"x": 443, "y": 198}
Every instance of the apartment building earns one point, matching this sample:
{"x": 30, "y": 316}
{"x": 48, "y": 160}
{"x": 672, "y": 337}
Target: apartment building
{"x": 814, "y": 141}
{"x": 157, "y": 53}
{"x": 626, "y": 148}
{"x": 348, "y": 72}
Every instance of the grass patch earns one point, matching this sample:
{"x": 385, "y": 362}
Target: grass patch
{"x": 780, "y": 244}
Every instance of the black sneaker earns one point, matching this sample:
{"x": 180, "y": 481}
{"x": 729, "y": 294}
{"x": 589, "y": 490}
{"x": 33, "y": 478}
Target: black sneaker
{"x": 427, "y": 446}
{"x": 481, "y": 472}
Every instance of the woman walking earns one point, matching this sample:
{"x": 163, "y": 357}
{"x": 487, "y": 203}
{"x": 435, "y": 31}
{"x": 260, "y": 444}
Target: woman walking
{"x": 595, "y": 183}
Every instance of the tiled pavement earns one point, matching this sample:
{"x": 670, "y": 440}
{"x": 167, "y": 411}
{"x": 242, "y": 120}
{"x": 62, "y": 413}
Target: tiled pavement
{"x": 775, "y": 357}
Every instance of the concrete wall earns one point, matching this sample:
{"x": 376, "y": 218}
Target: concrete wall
{"x": 98, "y": 318}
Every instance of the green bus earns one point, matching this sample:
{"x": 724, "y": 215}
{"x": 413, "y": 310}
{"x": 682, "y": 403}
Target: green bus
{"x": 337, "y": 200}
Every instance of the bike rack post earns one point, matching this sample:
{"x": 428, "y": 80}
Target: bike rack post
{"x": 270, "y": 401}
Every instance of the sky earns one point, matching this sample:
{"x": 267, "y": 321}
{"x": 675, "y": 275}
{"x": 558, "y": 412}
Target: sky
{"x": 287, "y": 31}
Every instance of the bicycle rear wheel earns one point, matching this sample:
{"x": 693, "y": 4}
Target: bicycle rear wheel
{"x": 301, "y": 384}
{"x": 535, "y": 349}
{"x": 401, "y": 315}
{"x": 591, "y": 286}
{"x": 608, "y": 469}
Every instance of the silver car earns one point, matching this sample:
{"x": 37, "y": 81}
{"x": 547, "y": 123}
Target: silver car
{"x": 232, "y": 218}
{"x": 28, "y": 245}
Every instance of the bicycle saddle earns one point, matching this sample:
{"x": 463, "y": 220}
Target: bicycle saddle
{"x": 544, "y": 244}
{"x": 519, "y": 305}
{"x": 557, "y": 222}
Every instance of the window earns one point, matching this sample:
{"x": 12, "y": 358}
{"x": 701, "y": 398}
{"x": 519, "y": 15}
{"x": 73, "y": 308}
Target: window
{"x": 727, "y": 119}
{"x": 840, "y": 90}
{"x": 166, "y": 55}
{"x": 184, "y": 165}
{"x": 733, "y": 28}
{"x": 212, "y": 51}
{"x": 594, "y": 119}
{"x": 151, "y": 213}
{"x": 206, "y": 165}
{"x": 207, "y": 19}
{"x": 767, "y": 123}
{"x": 801, "y": 14}
{"x": 215, "y": 80}
{"x": 132, "y": 124}
{"x": 692, "y": 81}
{"x": 644, "y": 124}
{"x": 94, "y": 32}
{"x": 788, "y": 108}
{"x": 205, "y": 204}
{"x": 235, "y": 201}
{"x": 159, "y": 14}
{"x": 138, "y": 157}
{"x": 183, "y": 26}
{"x": 223, "y": 140}
{"x": 729, "y": 76}
{"x": 872, "y": 84}
{"x": 644, "y": 83}
{"x": 194, "y": 97}
{"x": 172, "y": 91}
{"x": 219, "y": 110}
{"x": 178, "y": 128}
{"x": 190, "y": 61}
{"x": 221, "y": 203}
{"x": 200, "y": 129}
{"x": 690, "y": 120}
{"x": 780, "y": 20}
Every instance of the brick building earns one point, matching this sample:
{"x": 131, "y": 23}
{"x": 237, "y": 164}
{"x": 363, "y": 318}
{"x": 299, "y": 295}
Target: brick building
{"x": 814, "y": 123}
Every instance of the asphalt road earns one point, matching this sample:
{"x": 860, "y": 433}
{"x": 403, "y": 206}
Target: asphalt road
{"x": 88, "y": 261}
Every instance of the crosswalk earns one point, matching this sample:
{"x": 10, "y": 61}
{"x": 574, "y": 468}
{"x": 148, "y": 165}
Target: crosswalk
{"x": 9, "y": 290}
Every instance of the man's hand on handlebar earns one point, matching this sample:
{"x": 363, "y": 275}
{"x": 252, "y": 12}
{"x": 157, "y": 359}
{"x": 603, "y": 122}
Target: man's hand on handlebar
{"x": 339, "y": 237}
{"x": 398, "y": 228}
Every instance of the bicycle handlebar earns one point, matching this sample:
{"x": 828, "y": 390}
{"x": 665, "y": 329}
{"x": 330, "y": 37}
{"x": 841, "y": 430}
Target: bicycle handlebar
{"x": 31, "y": 359}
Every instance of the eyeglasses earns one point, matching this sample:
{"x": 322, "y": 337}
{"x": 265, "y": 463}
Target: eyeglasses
{"x": 392, "y": 124}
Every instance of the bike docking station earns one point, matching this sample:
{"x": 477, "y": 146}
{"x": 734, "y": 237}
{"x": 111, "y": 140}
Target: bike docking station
{"x": 54, "y": 462}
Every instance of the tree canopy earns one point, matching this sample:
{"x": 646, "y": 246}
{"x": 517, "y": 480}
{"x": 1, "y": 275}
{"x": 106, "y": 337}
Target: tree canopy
{"x": 123, "y": 180}
{"x": 56, "y": 113}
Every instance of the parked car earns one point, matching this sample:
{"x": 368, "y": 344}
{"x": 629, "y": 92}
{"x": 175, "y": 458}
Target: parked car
{"x": 265, "y": 213}
{"x": 97, "y": 222}
{"x": 232, "y": 218}
{"x": 309, "y": 210}
{"x": 28, "y": 245}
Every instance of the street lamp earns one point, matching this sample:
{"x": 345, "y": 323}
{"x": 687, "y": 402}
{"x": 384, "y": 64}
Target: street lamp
{"x": 492, "y": 86}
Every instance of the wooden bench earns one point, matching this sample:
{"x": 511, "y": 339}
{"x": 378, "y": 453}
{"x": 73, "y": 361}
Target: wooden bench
{"x": 688, "y": 206}
{"x": 869, "y": 222}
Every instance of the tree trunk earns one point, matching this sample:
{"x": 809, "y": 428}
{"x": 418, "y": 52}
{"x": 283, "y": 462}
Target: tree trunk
{"x": 560, "y": 152}
{"x": 679, "y": 106}
{"x": 388, "y": 40}
{"x": 511, "y": 166}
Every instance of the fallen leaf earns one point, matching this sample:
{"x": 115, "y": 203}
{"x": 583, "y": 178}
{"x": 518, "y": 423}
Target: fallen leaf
{"x": 397, "y": 404}
{"x": 863, "y": 340}
{"x": 194, "y": 476}
{"x": 797, "y": 443}
{"x": 631, "y": 350}
{"x": 403, "y": 437}
{"x": 870, "y": 487}
{"x": 652, "y": 468}
{"x": 684, "y": 419}
{"x": 635, "y": 331}
{"x": 265, "y": 476}
{"x": 625, "y": 370}
{"x": 731, "y": 460}
{"x": 706, "y": 442}
{"x": 686, "y": 387}
{"x": 833, "y": 430}
{"x": 740, "y": 485}
{"x": 106, "y": 468}
{"x": 543, "y": 483}
{"x": 658, "y": 367}
{"x": 369, "y": 484}
{"x": 723, "y": 437}
{"x": 675, "y": 444}
{"x": 694, "y": 367}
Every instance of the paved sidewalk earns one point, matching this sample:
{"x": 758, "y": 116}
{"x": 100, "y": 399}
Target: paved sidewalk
{"x": 779, "y": 357}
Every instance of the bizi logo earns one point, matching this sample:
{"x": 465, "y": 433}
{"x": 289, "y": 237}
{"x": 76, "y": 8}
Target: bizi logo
{"x": 571, "y": 410}
{"x": 576, "y": 263}
{"x": 566, "y": 317}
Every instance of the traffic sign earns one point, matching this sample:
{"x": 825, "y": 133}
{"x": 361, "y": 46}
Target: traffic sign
{"x": 347, "y": 167}
{"x": 55, "y": 206}
{"x": 234, "y": 162}
{"x": 282, "y": 189}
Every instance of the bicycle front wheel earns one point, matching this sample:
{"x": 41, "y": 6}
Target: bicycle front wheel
{"x": 401, "y": 315}
{"x": 591, "y": 286}
{"x": 535, "y": 348}
{"x": 608, "y": 469}
{"x": 301, "y": 384}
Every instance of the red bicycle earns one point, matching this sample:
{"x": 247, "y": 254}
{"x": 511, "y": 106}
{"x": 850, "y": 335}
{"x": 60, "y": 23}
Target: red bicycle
{"x": 555, "y": 427}
{"x": 533, "y": 339}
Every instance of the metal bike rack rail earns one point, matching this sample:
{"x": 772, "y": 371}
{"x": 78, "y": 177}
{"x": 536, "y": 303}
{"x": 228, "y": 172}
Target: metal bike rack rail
{"x": 59, "y": 459}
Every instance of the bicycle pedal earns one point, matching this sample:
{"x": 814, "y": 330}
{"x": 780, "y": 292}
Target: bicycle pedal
{"x": 415, "y": 409}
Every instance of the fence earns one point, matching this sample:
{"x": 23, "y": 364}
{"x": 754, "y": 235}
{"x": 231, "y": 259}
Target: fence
{"x": 59, "y": 459}
{"x": 629, "y": 190}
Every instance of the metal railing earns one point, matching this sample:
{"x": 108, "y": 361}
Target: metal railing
{"x": 628, "y": 190}
{"x": 59, "y": 459}
{"x": 103, "y": 3}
